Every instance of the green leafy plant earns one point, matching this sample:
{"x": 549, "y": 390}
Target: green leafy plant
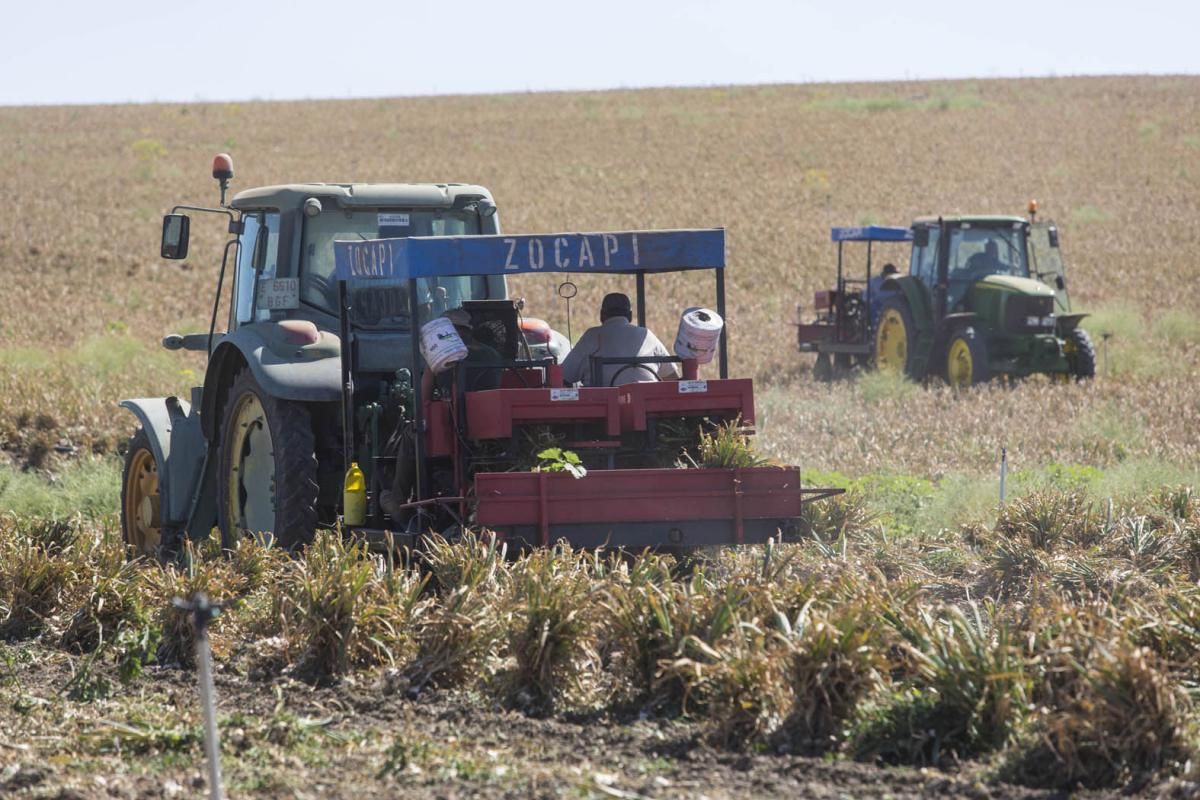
{"x": 555, "y": 459}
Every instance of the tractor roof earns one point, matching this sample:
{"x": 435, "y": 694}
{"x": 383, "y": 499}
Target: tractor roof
{"x": 628, "y": 252}
{"x": 871, "y": 233}
{"x": 982, "y": 219}
{"x": 369, "y": 195}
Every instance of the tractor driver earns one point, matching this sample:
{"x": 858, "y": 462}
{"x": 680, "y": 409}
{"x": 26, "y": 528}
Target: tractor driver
{"x": 988, "y": 262}
{"x": 617, "y": 337}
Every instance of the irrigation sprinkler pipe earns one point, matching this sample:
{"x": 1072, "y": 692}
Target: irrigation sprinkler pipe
{"x": 203, "y": 612}
{"x": 1003, "y": 471}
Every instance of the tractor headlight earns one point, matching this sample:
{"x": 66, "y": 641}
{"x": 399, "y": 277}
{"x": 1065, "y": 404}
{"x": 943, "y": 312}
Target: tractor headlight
{"x": 1033, "y": 322}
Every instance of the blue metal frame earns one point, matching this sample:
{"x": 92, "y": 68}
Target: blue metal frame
{"x": 628, "y": 252}
{"x": 871, "y": 233}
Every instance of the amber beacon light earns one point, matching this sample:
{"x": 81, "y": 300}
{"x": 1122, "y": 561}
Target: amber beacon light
{"x": 223, "y": 170}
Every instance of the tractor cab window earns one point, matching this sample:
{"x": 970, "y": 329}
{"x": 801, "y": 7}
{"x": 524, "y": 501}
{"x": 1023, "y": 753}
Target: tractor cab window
{"x": 977, "y": 251}
{"x": 258, "y": 253}
{"x": 924, "y": 259}
{"x": 384, "y": 304}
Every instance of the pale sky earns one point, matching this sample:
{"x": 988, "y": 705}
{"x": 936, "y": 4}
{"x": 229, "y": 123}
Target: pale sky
{"x": 176, "y": 50}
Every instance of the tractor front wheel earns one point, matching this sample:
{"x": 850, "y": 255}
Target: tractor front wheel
{"x": 895, "y": 338}
{"x": 967, "y": 359}
{"x": 267, "y": 468}
{"x": 141, "y": 512}
{"x": 1081, "y": 354}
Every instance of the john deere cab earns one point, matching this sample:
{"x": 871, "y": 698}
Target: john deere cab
{"x": 983, "y": 296}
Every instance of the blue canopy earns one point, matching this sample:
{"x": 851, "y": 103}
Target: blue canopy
{"x": 872, "y": 233}
{"x": 613, "y": 251}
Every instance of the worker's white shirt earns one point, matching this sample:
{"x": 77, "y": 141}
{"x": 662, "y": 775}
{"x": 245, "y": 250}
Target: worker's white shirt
{"x": 617, "y": 337}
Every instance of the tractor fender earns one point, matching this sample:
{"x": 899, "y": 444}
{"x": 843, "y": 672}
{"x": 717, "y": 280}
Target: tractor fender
{"x": 178, "y": 445}
{"x": 1069, "y": 322}
{"x": 961, "y": 319}
{"x": 914, "y": 293}
{"x": 283, "y": 368}
{"x": 918, "y": 299}
{"x": 917, "y": 296}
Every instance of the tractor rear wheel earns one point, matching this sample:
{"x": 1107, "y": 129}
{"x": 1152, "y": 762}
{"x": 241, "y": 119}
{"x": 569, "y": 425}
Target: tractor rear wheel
{"x": 267, "y": 468}
{"x": 141, "y": 512}
{"x": 967, "y": 359}
{"x": 1081, "y": 354}
{"x": 895, "y": 338}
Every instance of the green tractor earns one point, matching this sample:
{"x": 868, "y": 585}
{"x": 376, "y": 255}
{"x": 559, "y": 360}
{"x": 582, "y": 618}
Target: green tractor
{"x": 983, "y": 296}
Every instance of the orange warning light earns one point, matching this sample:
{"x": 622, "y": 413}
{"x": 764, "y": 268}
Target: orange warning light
{"x": 222, "y": 167}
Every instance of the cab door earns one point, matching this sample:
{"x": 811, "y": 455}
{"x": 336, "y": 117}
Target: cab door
{"x": 258, "y": 252}
{"x": 1046, "y": 263}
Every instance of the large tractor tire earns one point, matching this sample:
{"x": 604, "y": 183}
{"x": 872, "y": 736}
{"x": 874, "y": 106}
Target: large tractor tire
{"x": 1081, "y": 354}
{"x": 141, "y": 511}
{"x": 267, "y": 468}
{"x": 967, "y": 359}
{"x": 895, "y": 338}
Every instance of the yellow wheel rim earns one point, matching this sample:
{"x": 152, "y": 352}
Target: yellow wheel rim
{"x": 143, "y": 515}
{"x": 251, "y": 480}
{"x": 891, "y": 342}
{"x": 959, "y": 367}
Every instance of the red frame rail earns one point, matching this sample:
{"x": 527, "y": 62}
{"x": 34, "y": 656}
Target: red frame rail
{"x": 545, "y": 500}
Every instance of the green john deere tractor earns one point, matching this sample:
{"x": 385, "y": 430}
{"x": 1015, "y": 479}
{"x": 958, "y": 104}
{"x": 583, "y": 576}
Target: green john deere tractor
{"x": 983, "y": 296}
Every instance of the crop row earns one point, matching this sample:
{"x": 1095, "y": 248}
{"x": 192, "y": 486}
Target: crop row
{"x": 1058, "y": 643}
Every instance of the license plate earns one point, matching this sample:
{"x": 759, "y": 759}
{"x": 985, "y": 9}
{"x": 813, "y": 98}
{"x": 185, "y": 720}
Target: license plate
{"x": 693, "y": 387}
{"x": 279, "y": 293}
{"x": 564, "y": 394}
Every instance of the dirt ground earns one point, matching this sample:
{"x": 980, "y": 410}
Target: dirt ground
{"x": 284, "y": 739}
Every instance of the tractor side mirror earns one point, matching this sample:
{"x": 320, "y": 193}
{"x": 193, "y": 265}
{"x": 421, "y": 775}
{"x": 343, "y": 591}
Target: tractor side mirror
{"x": 175, "y": 236}
{"x": 921, "y": 237}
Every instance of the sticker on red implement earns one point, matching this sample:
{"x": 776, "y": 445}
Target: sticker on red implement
{"x": 564, "y": 394}
{"x": 693, "y": 387}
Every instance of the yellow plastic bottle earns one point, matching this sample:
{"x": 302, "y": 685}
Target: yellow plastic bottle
{"x": 354, "y": 497}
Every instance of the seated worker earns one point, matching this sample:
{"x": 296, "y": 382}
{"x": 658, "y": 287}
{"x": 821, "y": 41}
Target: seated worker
{"x": 875, "y": 288}
{"x": 986, "y": 263}
{"x": 617, "y": 337}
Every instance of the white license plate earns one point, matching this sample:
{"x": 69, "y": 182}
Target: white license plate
{"x": 279, "y": 293}
{"x": 693, "y": 387}
{"x": 564, "y": 394}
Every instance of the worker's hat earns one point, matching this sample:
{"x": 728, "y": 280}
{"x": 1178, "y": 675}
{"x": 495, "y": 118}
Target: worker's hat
{"x": 616, "y": 303}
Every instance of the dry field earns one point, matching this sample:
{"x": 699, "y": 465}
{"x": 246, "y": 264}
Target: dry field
{"x": 1051, "y": 646}
{"x": 1113, "y": 160}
